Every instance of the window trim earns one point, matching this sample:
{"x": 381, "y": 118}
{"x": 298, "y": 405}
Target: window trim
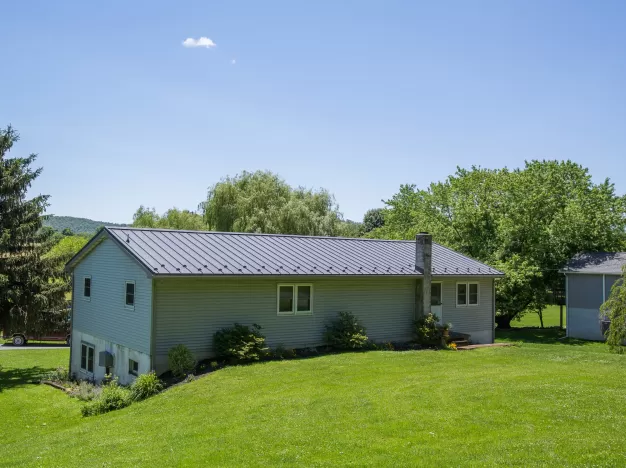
{"x": 440, "y": 295}
{"x": 126, "y": 305}
{"x": 294, "y": 308}
{"x": 131, "y": 371}
{"x": 467, "y": 293}
{"x": 87, "y": 298}
{"x": 85, "y": 370}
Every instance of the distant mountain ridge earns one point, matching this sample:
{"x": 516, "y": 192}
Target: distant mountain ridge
{"x": 77, "y": 225}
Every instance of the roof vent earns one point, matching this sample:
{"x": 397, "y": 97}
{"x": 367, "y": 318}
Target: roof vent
{"x": 127, "y": 238}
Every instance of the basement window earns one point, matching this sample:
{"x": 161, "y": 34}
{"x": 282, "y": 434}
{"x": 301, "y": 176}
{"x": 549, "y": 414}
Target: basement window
{"x": 295, "y": 299}
{"x": 87, "y": 288}
{"x": 133, "y": 367}
{"x": 87, "y": 353}
{"x": 130, "y": 294}
{"x": 467, "y": 294}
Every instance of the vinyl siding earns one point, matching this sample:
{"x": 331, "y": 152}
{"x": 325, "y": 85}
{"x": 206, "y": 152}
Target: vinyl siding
{"x": 469, "y": 319}
{"x": 584, "y": 324}
{"x": 190, "y": 311}
{"x": 584, "y": 292}
{"x": 105, "y": 315}
{"x": 608, "y": 284}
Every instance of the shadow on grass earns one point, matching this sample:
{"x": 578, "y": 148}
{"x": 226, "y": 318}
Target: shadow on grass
{"x": 20, "y": 377}
{"x": 553, "y": 335}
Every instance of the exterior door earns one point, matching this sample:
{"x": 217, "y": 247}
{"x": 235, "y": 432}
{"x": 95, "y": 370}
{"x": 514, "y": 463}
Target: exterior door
{"x": 436, "y": 305}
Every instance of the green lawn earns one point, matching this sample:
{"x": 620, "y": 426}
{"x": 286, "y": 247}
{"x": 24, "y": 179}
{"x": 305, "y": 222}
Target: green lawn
{"x": 550, "y": 318}
{"x": 548, "y": 401}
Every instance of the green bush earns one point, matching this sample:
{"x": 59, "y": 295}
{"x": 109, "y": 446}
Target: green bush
{"x": 240, "y": 343}
{"x": 346, "y": 333}
{"x": 181, "y": 361}
{"x": 59, "y": 375}
{"x": 145, "y": 386}
{"x": 112, "y": 397}
{"x": 280, "y": 352}
{"x": 85, "y": 391}
{"x": 428, "y": 333}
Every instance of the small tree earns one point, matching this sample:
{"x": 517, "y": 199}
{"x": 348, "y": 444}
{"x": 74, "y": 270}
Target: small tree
{"x": 614, "y": 309}
{"x": 346, "y": 332}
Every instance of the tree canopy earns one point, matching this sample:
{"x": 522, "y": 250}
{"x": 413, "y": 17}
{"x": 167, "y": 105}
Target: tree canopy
{"x": 373, "y": 219}
{"x": 263, "y": 202}
{"x": 528, "y": 222}
{"x": 171, "y": 219}
{"x": 32, "y": 283}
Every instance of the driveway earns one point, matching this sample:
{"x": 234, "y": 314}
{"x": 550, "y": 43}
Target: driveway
{"x": 8, "y": 346}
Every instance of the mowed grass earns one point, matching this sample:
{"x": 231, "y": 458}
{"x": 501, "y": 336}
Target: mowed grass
{"x": 550, "y": 318}
{"x": 544, "y": 402}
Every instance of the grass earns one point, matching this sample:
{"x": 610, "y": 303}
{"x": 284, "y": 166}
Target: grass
{"x": 547, "y": 401}
{"x": 550, "y": 318}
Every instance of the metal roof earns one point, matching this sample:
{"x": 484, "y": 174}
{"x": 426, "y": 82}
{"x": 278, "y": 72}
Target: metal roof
{"x": 202, "y": 253}
{"x": 607, "y": 263}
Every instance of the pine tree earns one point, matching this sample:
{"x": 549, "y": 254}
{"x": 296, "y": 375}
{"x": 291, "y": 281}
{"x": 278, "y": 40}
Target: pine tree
{"x": 32, "y": 283}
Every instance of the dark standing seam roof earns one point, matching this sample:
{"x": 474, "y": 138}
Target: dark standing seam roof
{"x": 608, "y": 263}
{"x": 196, "y": 253}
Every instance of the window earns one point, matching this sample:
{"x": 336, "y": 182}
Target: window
{"x": 467, "y": 294}
{"x": 86, "y": 357}
{"x": 133, "y": 367}
{"x": 295, "y": 299}
{"x": 87, "y": 287}
{"x": 130, "y": 294}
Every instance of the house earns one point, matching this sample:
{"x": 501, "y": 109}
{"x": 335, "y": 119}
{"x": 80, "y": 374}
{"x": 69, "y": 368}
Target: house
{"x": 139, "y": 292}
{"x": 588, "y": 281}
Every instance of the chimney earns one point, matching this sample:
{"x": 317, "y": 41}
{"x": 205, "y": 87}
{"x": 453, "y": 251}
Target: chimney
{"x": 423, "y": 264}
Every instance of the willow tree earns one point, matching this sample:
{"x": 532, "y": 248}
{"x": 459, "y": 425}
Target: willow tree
{"x": 32, "y": 284}
{"x": 263, "y": 202}
{"x": 614, "y": 309}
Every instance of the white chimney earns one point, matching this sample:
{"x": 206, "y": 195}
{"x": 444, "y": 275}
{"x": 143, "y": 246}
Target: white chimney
{"x": 424, "y": 264}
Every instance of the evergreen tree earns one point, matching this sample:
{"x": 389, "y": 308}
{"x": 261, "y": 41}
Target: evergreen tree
{"x": 32, "y": 284}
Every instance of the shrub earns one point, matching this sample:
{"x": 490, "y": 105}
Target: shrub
{"x": 60, "y": 374}
{"x": 181, "y": 361}
{"x": 240, "y": 343}
{"x": 428, "y": 332}
{"x": 280, "y": 352}
{"x": 85, "y": 391}
{"x": 112, "y": 397}
{"x": 145, "y": 386}
{"x": 346, "y": 333}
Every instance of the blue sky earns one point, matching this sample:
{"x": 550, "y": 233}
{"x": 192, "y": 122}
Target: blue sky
{"x": 354, "y": 96}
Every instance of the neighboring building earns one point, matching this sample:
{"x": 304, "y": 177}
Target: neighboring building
{"x": 589, "y": 278}
{"x": 139, "y": 292}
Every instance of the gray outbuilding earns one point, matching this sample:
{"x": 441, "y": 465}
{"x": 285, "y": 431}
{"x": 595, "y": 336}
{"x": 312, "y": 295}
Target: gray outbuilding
{"x": 588, "y": 283}
{"x": 139, "y": 292}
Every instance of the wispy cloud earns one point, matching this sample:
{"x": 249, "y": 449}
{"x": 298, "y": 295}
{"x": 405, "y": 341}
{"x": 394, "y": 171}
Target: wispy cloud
{"x": 200, "y": 42}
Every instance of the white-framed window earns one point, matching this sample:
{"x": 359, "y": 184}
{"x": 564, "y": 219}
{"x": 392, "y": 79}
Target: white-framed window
{"x": 133, "y": 367}
{"x": 467, "y": 294}
{"x": 87, "y": 356}
{"x": 87, "y": 288}
{"x": 129, "y": 294}
{"x": 295, "y": 299}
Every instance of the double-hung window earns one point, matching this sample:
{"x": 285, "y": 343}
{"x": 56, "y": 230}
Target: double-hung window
{"x": 467, "y": 294}
{"x": 87, "y": 288}
{"x": 133, "y": 367}
{"x": 130, "y": 294}
{"x": 295, "y": 299}
{"x": 87, "y": 353}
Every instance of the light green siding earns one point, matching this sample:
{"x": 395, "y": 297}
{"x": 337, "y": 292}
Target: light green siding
{"x": 190, "y": 311}
{"x": 470, "y": 319}
{"x": 105, "y": 314}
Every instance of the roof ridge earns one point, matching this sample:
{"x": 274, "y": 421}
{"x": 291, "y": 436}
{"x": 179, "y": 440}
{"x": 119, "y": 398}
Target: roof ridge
{"x": 259, "y": 234}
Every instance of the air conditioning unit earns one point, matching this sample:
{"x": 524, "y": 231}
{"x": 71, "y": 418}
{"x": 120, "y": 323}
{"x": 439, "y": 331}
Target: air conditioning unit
{"x": 105, "y": 359}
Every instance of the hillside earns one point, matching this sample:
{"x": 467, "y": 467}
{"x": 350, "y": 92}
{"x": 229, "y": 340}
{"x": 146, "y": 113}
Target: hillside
{"x": 77, "y": 225}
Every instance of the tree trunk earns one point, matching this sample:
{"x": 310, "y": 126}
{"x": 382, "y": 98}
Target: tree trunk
{"x": 503, "y": 321}
{"x": 540, "y": 313}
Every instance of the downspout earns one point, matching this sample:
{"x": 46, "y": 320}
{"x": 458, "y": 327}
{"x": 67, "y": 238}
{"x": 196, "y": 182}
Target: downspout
{"x": 493, "y": 324}
{"x": 153, "y": 326}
